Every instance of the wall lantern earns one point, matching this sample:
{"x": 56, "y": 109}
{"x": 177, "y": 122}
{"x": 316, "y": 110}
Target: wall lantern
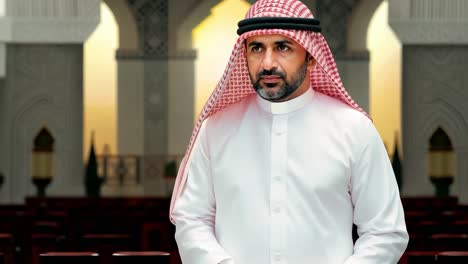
{"x": 43, "y": 161}
{"x": 441, "y": 162}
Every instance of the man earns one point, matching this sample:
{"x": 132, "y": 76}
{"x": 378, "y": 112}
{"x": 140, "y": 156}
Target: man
{"x": 282, "y": 161}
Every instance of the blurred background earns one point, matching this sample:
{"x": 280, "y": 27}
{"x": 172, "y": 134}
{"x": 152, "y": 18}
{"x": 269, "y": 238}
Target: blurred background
{"x": 126, "y": 79}
{"x": 123, "y": 82}
{"x": 98, "y": 99}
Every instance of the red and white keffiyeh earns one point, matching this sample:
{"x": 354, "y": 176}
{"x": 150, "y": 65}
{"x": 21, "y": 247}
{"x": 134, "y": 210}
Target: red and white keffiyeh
{"x": 235, "y": 83}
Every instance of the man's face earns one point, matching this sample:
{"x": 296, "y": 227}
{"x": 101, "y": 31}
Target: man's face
{"x": 278, "y": 67}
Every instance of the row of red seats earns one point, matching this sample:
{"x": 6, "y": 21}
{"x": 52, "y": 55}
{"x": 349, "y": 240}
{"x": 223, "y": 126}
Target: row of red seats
{"x": 435, "y": 257}
{"x": 140, "y": 257}
{"x": 438, "y": 229}
{"x": 105, "y": 225}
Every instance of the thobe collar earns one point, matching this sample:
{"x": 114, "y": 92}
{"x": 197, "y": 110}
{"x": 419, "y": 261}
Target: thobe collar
{"x": 287, "y": 106}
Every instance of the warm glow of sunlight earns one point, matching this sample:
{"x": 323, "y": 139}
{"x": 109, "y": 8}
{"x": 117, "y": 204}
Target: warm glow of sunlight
{"x": 385, "y": 77}
{"x": 100, "y": 84}
{"x": 2, "y": 7}
{"x": 214, "y": 40}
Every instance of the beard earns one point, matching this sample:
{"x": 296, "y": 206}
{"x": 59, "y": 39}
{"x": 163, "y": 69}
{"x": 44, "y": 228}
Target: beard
{"x": 266, "y": 90}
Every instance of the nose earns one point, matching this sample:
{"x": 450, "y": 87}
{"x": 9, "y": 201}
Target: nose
{"x": 269, "y": 61}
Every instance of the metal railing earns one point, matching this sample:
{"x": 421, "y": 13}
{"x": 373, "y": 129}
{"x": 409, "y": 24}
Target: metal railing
{"x": 124, "y": 170}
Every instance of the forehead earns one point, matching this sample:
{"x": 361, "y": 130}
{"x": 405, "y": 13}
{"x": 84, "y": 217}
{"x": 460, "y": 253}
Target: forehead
{"x": 270, "y": 39}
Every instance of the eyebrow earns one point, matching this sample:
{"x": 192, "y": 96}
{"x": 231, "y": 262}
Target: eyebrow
{"x": 279, "y": 42}
{"x": 255, "y": 43}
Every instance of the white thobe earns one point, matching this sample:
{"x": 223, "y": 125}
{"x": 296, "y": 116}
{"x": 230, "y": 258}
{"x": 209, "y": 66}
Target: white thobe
{"x": 284, "y": 182}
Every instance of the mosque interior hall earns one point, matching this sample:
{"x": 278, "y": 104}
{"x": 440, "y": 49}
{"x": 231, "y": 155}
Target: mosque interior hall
{"x": 98, "y": 100}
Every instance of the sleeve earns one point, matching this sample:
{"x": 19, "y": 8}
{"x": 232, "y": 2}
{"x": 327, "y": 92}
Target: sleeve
{"x": 194, "y": 212}
{"x": 378, "y": 212}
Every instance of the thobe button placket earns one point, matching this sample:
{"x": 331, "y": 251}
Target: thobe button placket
{"x": 278, "y": 187}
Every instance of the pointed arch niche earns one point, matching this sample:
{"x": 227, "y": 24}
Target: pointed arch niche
{"x": 438, "y": 114}
{"x": 441, "y": 162}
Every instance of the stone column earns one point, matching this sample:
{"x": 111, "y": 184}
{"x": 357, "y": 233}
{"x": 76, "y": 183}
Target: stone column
{"x": 130, "y": 101}
{"x": 160, "y": 81}
{"x": 143, "y": 90}
{"x": 354, "y": 72}
{"x": 156, "y": 95}
{"x": 42, "y": 86}
{"x": 353, "y": 66}
{"x": 181, "y": 100}
{"x": 435, "y": 58}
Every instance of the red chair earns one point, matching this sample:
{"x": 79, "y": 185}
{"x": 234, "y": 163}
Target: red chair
{"x": 7, "y": 248}
{"x": 106, "y": 244}
{"x": 452, "y": 257}
{"x": 41, "y": 243}
{"x": 458, "y": 227}
{"x": 141, "y": 257}
{"x": 157, "y": 235}
{"x": 417, "y": 242}
{"x": 429, "y": 227}
{"x": 69, "y": 258}
{"x": 46, "y": 227}
{"x": 421, "y": 257}
{"x": 449, "y": 242}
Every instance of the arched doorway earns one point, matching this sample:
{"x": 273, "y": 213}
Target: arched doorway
{"x": 100, "y": 83}
{"x": 384, "y": 77}
{"x": 103, "y": 74}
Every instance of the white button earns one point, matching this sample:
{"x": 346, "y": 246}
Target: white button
{"x": 277, "y": 257}
{"x": 279, "y": 133}
{"x": 277, "y": 209}
{"x": 277, "y": 178}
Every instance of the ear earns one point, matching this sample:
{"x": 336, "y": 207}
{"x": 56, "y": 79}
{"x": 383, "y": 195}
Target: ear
{"x": 311, "y": 62}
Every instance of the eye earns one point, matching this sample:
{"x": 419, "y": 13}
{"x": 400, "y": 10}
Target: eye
{"x": 282, "y": 47}
{"x": 256, "y": 48}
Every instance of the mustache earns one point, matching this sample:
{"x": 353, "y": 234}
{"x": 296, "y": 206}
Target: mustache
{"x": 271, "y": 72}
